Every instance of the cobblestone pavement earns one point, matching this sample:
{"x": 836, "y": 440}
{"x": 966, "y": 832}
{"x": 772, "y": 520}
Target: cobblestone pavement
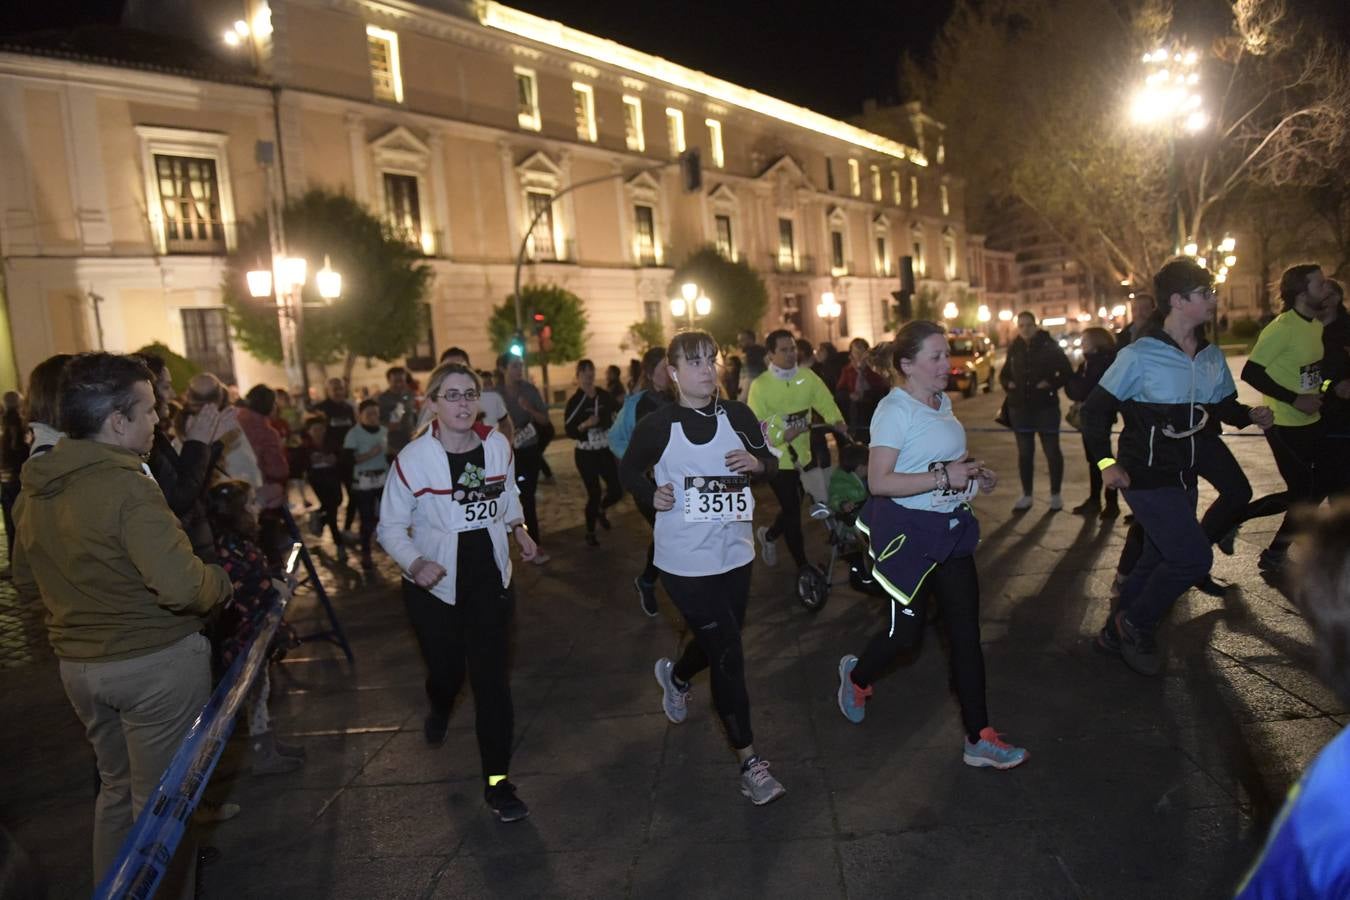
{"x": 1135, "y": 788}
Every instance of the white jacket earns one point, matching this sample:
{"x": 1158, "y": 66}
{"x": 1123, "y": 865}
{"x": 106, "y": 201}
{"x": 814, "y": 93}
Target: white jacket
{"x": 415, "y": 511}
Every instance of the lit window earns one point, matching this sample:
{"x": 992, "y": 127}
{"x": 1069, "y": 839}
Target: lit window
{"x": 675, "y": 130}
{"x": 402, "y": 207}
{"x": 189, "y": 194}
{"x": 632, "y": 124}
{"x": 854, "y": 178}
{"x": 541, "y": 244}
{"x": 876, "y": 183}
{"x": 949, "y": 256}
{"x": 941, "y": 152}
{"x": 946, "y": 205}
{"x": 829, "y": 174}
{"x": 645, "y": 221}
{"x": 895, "y": 187}
{"x": 715, "y": 143}
{"x": 583, "y": 102}
{"x": 883, "y": 256}
{"x": 527, "y": 100}
{"x": 920, "y": 258}
{"x": 913, "y": 191}
{"x": 382, "y": 47}
{"x": 837, "y": 252}
{"x": 725, "y": 245}
{"x": 787, "y": 253}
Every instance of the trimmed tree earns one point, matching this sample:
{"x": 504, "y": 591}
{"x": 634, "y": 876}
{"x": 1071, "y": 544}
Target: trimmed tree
{"x": 384, "y": 283}
{"x": 563, "y": 313}
{"x": 181, "y": 369}
{"x": 739, "y": 298}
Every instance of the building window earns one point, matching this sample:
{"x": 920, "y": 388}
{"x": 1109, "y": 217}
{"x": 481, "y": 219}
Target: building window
{"x": 946, "y": 206}
{"x": 385, "y": 74}
{"x": 913, "y": 191}
{"x": 651, "y": 311}
{"x": 842, "y": 323}
{"x": 854, "y": 178}
{"x": 206, "y": 340}
{"x": 632, "y": 124}
{"x": 715, "y": 151}
{"x": 583, "y": 103}
{"x": 949, "y": 256}
{"x": 792, "y": 312}
{"x": 876, "y": 183}
{"x": 883, "y": 256}
{"x": 941, "y": 152}
{"x": 527, "y": 99}
{"x": 829, "y": 174}
{"x": 675, "y": 130}
{"x": 787, "y": 254}
{"x": 895, "y": 187}
{"x": 725, "y": 245}
{"x": 402, "y": 207}
{"x": 920, "y": 258}
{"x": 190, "y": 196}
{"x": 541, "y": 244}
{"x": 422, "y": 354}
{"x": 837, "y": 266}
{"x": 644, "y": 226}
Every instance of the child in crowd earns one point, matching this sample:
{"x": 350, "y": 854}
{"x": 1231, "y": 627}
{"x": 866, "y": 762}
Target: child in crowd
{"x": 321, "y": 471}
{"x": 368, "y": 442}
{"x": 232, "y": 513}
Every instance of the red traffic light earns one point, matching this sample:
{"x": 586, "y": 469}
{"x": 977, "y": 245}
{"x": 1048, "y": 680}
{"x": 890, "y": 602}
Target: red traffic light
{"x": 539, "y": 317}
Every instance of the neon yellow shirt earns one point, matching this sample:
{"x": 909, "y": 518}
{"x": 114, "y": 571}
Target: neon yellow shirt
{"x": 780, "y": 404}
{"x": 1290, "y": 350}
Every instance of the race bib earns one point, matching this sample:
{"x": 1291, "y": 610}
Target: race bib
{"x": 1310, "y": 378}
{"x": 370, "y": 481}
{"x": 525, "y": 435}
{"x": 475, "y": 507}
{"x": 800, "y": 419}
{"x": 718, "y": 498}
{"x": 944, "y": 499}
{"x": 597, "y": 438}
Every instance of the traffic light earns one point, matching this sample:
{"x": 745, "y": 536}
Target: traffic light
{"x": 691, "y": 170}
{"x": 904, "y": 305}
{"x": 544, "y": 332}
{"x": 517, "y": 346}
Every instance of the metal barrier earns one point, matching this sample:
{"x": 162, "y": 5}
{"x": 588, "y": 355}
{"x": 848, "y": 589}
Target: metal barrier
{"x": 145, "y": 854}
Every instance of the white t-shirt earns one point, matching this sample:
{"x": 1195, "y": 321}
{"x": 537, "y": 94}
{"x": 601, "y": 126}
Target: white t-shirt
{"x": 923, "y": 435}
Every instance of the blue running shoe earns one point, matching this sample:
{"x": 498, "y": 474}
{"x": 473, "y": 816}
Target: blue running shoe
{"x": 991, "y": 751}
{"x": 852, "y": 699}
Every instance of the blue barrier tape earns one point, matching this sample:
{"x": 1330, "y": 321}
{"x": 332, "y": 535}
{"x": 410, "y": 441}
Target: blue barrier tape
{"x": 145, "y": 854}
{"x": 1001, "y": 430}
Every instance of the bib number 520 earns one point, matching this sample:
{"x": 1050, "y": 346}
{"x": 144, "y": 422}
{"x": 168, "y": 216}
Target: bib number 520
{"x": 481, "y": 511}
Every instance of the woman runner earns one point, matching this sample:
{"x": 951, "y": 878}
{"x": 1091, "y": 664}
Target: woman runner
{"x": 703, "y": 453}
{"x": 529, "y": 417}
{"x": 923, "y": 539}
{"x": 448, "y": 507}
{"x": 586, "y": 420}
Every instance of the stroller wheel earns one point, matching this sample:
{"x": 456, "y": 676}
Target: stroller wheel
{"x": 813, "y": 588}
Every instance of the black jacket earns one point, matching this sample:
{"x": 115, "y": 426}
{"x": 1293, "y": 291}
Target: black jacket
{"x": 1028, "y": 366}
{"x": 1094, "y": 366}
{"x": 1336, "y": 368}
{"x": 184, "y": 477}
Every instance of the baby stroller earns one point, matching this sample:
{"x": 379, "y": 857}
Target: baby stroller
{"x": 837, "y": 496}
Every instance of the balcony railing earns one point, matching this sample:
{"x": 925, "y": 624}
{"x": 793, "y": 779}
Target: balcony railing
{"x": 783, "y": 265}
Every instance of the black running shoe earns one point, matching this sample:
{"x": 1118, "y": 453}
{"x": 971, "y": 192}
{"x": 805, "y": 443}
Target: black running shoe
{"x": 1089, "y": 508}
{"x": 1138, "y": 647}
{"x": 434, "y": 728}
{"x": 604, "y": 521}
{"x": 592, "y": 540}
{"x": 1225, "y": 543}
{"x": 1209, "y": 586}
{"x": 501, "y": 797}
{"x": 646, "y": 595}
{"x": 1272, "y": 562}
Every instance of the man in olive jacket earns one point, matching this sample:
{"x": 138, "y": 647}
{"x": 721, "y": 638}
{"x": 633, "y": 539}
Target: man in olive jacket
{"x": 124, "y": 593}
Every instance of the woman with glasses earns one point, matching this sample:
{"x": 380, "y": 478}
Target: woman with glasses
{"x": 1168, "y": 385}
{"x": 449, "y": 506}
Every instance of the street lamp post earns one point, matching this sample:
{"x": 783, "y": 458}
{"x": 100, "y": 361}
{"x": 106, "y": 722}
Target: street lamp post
{"x": 829, "y": 310}
{"x": 691, "y": 302}
{"x": 1170, "y": 96}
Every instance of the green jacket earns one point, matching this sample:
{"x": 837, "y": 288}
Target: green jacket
{"x": 98, "y": 544}
{"x": 779, "y": 404}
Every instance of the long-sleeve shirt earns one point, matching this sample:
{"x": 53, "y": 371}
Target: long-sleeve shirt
{"x": 783, "y": 403}
{"x": 579, "y": 408}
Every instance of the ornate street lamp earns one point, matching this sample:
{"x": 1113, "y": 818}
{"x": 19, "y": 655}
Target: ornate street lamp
{"x": 829, "y": 310}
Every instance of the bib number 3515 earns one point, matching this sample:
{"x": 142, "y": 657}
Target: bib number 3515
{"x": 718, "y": 498}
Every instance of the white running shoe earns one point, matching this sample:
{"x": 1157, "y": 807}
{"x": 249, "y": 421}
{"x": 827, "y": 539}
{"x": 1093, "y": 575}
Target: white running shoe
{"x": 1023, "y": 503}
{"x": 759, "y": 785}
{"x": 1056, "y": 502}
{"x": 766, "y": 546}
{"x": 674, "y": 701}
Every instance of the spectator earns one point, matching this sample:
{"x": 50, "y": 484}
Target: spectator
{"x": 731, "y": 378}
{"x": 859, "y": 388}
{"x": 634, "y": 376}
{"x": 368, "y": 444}
{"x": 255, "y": 419}
{"x": 755, "y": 357}
{"x": 321, "y": 471}
{"x": 828, "y": 363}
{"x": 125, "y": 596}
{"x": 236, "y": 458}
{"x": 44, "y": 386}
{"x": 289, "y": 413}
{"x": 1141, "y": 310}
{"x": 1336, "y": 373}
{"x": 1035, "y": 371}
{"x": 13, "y": 454}
{"x": 340, "y": 414}
{"x": 614, "y": 383}
{"x": 1099, "y": 351}
{"x": 398, "y": 409}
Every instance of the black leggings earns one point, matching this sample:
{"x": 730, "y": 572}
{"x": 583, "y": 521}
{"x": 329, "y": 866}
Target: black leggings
{"x": 787, "y": 487}
{"x": 1026, "y": 459}
{"x": 327, "y": 485}
{"x": 713, "y": 607}
{"x": 956, "y": 586}
{"x": 650, "y": 573}
{"x": 472, "y": 636}
{"x": 527, "y": 479}
{"x": 367, "y": 503}
{"x": 594, "y": 466}
{"x": 1299, "y": 455}
{"x": 1095, "y": 481}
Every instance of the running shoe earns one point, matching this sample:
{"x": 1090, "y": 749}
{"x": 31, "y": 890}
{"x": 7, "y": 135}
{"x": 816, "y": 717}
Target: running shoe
{"x": 1209, "y": 586}
{"x": 766, "y": 547}
{"x": 758, "y": 784}
{"x": 1056, "y": 502}
{"x": 992, "y": 752}
{"x": 646, "y": 595}
{"x": 674, "y": 701}
{"x": 501, "y": 797}
{"x": 604, "y": 521}
{"x": 592, "y": 540}
{"x": 1138, "y": 647}
{"x": 1225, "y": 543}
{"x": 1272, "y": 561}
{"x": 852, "y": 699}
{"x": 1087, "y": 508}
{"x": 1107, "y": 641}
{"x": 434, "y": 728}
{"x": 1023, "y": 504}
{"x": 1110, "y": 511}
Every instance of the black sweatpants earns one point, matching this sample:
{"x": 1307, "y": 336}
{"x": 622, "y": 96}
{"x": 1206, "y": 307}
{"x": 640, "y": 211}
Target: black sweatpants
{"x": 956, "y": 586}
{"x": 472, "y": 637}
{"x": 1299, "y": 455}
{"x": 787, "y": 487}
{"x": 367, "y": 503}
{"x": 528, "y": 460}
{"x": 714, "y": 608}
{"x": 327, "y": 485}
{"x": 595, "y": 466}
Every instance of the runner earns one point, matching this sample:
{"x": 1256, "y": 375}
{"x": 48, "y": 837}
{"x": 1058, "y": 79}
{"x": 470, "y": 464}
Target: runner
{"x": 586, "y": 420}
{"x": 652, "y": 393}
{"x": 448, "y": 507}
{"x": 1167, "y": 385}
{"x": 1285, "y": 366}
{"x": 1034, "y": 372}
{"x": 927, "y": 536}
{"x": 704, "y": 454}
{"x": 528, "y": 413}
{"x": 783, "y": 398}
{"x": 491, "y": 407}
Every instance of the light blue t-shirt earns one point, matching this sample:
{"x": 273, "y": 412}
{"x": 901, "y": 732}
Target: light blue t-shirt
{"x": 359, "y": 441}
{"x": 923, "y": 435}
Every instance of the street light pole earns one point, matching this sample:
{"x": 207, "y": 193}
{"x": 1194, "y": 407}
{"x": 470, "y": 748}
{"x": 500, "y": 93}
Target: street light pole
{"x": 287, "y": 294}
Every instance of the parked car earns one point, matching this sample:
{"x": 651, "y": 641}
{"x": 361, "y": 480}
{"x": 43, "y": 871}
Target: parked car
{"x": 972, "y": 363}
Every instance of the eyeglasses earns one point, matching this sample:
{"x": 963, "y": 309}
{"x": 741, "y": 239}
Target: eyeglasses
{"x": 456, "y": 396}
{"x": 1204, "y": 290}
